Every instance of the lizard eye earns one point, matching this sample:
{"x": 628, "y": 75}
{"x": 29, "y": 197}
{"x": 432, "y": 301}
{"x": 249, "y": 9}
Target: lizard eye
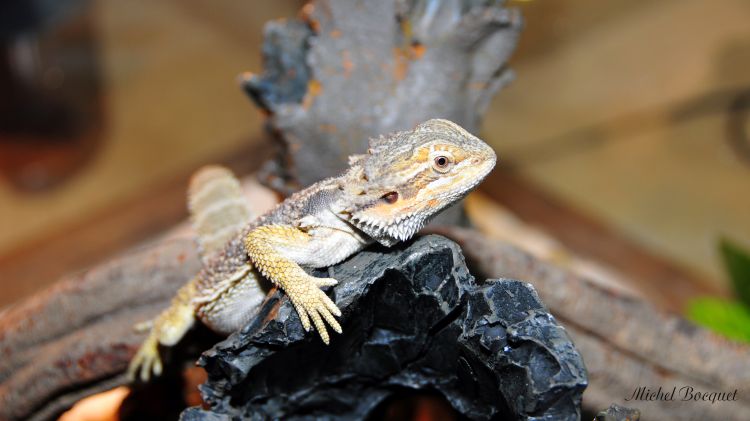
{"x": 441, "y": 163}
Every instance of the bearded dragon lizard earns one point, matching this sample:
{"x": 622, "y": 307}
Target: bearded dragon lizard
{"x": 386, "y": 196}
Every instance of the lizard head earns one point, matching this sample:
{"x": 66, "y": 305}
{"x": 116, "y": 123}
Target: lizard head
{"x": 408, "y": 177}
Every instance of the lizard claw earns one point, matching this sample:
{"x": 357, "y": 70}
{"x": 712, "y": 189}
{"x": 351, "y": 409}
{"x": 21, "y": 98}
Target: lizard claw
{"x": 313, "y": 304}
{"x": 146, "y": 361}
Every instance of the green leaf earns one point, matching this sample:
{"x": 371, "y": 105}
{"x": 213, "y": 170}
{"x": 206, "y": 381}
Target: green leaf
{"x": 729, "y": 318}
{"x": 737, "y": 262}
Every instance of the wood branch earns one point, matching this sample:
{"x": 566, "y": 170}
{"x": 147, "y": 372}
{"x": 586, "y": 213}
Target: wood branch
{"x": 350, "y": 71}
{"x": 77, "y": 337}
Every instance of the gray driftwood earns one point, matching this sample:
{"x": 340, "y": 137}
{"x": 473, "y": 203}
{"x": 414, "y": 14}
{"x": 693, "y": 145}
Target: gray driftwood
{"x": 354, "y": 70}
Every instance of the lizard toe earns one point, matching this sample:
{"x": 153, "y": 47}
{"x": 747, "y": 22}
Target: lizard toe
{"x": 330, "y": 305}
{"x": 145, "y": 362}
{"x": 320, "y": 327}
{"x": 303, "y": 317}
{"x": 330, "y": 319}
{"x": 146, "y": 369}
{"x": 157, "y": 367}
{"x": 325, "y": 282}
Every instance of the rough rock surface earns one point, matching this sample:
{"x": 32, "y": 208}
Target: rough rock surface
{"x": 413, "y": 318}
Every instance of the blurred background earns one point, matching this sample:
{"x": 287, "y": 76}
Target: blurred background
{"x": 623, "y": 139}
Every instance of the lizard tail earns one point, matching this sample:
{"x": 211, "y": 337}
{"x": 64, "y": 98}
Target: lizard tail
{"x": 218, "y": 209}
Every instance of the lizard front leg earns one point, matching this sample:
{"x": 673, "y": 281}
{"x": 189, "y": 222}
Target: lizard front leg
{"x": 275, "y": 251}
{"x": 167, "y": 329}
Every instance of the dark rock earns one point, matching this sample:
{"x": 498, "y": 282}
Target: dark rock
{"x": 413, "y": 319}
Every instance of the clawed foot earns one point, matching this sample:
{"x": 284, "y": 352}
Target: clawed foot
{"x": 146, "y": 361}
{"x": 312, "y": 303}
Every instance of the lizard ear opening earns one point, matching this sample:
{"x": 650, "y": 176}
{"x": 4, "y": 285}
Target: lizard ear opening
{"x": 390, "y": 197}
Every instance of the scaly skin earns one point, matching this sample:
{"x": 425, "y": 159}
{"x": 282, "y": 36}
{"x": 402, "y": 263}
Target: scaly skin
{"x": 263, "y": 245}
{"x": 386, "y": 196}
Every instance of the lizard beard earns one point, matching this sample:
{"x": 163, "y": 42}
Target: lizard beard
{"x": 386, "y": 232}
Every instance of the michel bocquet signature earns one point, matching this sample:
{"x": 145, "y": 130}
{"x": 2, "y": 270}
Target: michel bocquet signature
{"x": 684, "y": 393}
